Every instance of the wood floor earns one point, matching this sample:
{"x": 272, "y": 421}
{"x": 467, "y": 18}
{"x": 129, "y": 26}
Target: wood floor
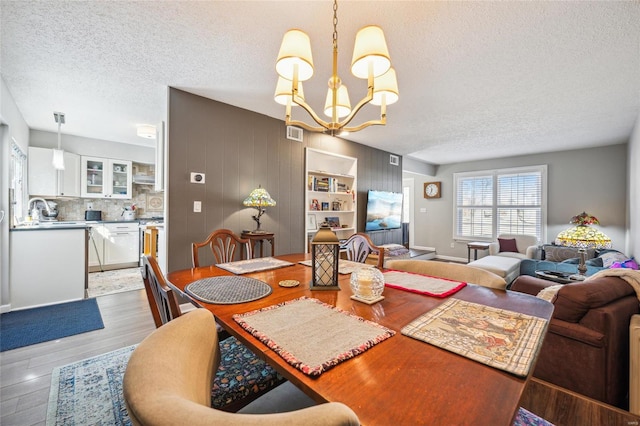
{"x": 25, "y": 373}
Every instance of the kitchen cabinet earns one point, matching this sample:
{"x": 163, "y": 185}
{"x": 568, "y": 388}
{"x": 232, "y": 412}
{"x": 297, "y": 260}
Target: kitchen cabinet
{"x": 105, "y": 178}
{"x": 331, "y": 193}
{"x": 116, "y": 246}
{"x": 46, "y": 181}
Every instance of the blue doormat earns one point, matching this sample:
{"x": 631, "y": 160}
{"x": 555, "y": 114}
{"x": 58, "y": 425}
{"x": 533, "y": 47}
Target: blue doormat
{"x": 37, "y": 325}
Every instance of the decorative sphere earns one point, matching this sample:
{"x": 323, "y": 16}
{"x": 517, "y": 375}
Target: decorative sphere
{"x": 367, "y": 283}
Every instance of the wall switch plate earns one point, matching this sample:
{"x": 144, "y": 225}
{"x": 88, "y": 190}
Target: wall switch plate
{"x": 423, "y": 210}
{"x": 197, "y": 206}
{"x": 453, "y": 245}
{"x": 89, "y": 206}
{"x": 197, "y": 177}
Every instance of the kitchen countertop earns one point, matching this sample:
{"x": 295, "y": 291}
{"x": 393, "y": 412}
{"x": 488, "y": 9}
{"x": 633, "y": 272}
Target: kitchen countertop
{"x": 73, "y": 224}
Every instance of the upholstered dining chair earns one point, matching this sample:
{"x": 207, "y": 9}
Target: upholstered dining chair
{"x": 359, "y": 246}
{"x": 242, "y": 376}
{"x": 224, "y": 245}
{"x": 168, "y": 382}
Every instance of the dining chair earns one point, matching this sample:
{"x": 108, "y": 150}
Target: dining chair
{"x": 168, "y": 382}
{"x": 359, "y": 246}
{"x": 242, "y": 376}
{"x": 224, "y": 245}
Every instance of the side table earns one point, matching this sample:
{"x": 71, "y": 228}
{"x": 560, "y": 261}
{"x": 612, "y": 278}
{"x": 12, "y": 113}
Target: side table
{"x": 259, "y": 237}
{"x": 475, "y": 246}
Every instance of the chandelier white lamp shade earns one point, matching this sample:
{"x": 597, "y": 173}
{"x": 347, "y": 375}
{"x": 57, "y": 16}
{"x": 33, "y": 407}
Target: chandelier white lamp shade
{"x": 283, "y": 94}
{"x": 370, "y": 61}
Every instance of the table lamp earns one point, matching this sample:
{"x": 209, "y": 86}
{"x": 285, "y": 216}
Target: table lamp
{"x": 582, "y": 235}
{"x": 259, "y": 199}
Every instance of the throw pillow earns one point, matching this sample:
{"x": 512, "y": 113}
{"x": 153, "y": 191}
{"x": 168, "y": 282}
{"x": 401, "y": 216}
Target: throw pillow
{"x": 610, "y": 258}
{"x": 594, "y": 262}
{"x": 628, "y": 264}
{"x": 508, "y": 244}
{"x": 555, "y": 253}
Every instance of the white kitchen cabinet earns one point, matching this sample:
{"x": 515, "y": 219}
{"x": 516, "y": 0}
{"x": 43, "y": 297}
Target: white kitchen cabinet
{"x": 121, "y": 244}
{"x": 105, "y": 178}
{"x": 46, "y": 181}
{"x": 96, "y": 247}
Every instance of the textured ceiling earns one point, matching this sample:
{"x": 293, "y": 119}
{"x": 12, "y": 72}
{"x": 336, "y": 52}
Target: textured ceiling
{"x": 477, "y": 79}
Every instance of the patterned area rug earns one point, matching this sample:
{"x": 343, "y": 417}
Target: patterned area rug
{"x": 90, "y": 392}
{"x": 116, "y": 281}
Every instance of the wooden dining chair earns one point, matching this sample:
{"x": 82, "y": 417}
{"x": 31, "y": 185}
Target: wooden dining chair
{"x": 168, "y": 382}
{"x": 242, "y": 376}
{"x": 358, "y": 248}
{"x": 224, "y": 245}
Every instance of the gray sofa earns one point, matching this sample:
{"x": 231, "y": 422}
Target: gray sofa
{"x": 566, "y": 259}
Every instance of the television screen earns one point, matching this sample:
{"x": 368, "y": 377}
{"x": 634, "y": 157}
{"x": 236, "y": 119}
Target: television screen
{"x": 384, "y": 210}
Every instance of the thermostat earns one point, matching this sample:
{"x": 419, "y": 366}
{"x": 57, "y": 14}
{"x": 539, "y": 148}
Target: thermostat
{"x": 197, "y": 177}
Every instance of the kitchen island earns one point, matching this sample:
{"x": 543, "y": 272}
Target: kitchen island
{"x": 48, "y": 264}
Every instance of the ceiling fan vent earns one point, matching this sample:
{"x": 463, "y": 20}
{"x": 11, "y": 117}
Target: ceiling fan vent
{"x": 294, "y": 133}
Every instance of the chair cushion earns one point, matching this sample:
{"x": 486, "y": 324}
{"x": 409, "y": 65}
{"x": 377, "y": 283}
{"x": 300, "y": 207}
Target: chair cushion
{"x": 241, "y": 374}
{"x": 508, "y": 244}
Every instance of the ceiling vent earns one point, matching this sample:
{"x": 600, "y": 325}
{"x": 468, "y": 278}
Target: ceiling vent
{"x": 394, "y": 160}
{"x": 294, "y": 133}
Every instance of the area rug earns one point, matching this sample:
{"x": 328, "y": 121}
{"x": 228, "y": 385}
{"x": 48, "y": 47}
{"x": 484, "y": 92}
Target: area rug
{"x": 116, "y": 281}
{"x": 335, "y": 335}
{"x": 89, "y": 392}
{"x": 45, "y": 323}
{"x": 502, "y": 339}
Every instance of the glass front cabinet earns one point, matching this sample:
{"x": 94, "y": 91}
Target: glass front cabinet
{"x": 105, "y": 178}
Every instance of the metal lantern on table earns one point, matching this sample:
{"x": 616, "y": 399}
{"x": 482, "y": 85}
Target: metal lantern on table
{"x": 325, "y": 253}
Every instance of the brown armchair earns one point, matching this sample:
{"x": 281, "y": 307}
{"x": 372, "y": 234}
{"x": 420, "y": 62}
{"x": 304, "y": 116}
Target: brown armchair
{"x": 586, "y": 349}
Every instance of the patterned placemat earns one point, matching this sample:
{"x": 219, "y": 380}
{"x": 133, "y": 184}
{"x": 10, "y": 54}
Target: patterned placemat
{"x": 503, "y": 339}
{"x": 344, "y": 266}
{"x": 228, "y": 290}
{"x": 422, "y": 284}
{"x": 253, "y": 265}
{"x": 311, "y": 335}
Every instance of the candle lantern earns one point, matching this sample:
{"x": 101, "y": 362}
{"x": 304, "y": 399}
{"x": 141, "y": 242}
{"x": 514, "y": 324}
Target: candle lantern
{"x": 325, "y": 253}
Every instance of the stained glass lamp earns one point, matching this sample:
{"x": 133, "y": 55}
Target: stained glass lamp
{"x": 582, "y": 235}
{"x": 259, "y": 199}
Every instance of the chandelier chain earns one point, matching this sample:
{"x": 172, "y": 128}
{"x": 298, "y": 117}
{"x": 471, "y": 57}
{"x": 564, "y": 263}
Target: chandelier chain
{"x": 335, "y": 24}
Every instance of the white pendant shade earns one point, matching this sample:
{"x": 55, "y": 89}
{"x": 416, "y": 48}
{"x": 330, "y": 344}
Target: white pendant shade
{"x": 58, "y": 159}
{"x": 370, "y": 50}
{"x": 283, "y": 92}
{"x": 295, "y": 50}
{"x": 385, "y": 87}
{"x": 343, "y": 104}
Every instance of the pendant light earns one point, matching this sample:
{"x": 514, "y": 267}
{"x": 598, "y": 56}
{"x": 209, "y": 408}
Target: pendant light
{"x": 58, "y": 154}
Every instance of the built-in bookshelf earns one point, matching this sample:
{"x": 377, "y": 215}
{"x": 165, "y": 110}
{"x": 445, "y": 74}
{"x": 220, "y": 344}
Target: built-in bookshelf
{"x": 331, "y": 193}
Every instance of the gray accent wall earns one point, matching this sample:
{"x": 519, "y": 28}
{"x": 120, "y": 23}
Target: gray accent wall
{"x": 238, "y": 150}
{"x": 594, "y": 180}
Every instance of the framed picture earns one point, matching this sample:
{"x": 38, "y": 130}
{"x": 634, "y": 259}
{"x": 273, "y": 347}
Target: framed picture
{"x": 315, "y": 205}
{"x": 333, "y": 222}
{"x": 336, "y": 206}
{"x": 155, "y": 202}
{"x": 312, "y": 225}
{"x": 325, "y": 206}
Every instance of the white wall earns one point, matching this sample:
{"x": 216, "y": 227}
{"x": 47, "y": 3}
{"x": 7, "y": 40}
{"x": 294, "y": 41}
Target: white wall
{"x": 633, "y": 246}
{"x": 594, "y": 180}
{"x": 12, "y": 127}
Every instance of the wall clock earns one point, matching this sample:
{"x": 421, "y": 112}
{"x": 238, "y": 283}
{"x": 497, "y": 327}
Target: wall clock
{"x": 432, "y": 190}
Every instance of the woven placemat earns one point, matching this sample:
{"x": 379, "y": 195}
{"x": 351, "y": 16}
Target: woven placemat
{"x": 311, "y": 335}
{"x": 228, "y": 290}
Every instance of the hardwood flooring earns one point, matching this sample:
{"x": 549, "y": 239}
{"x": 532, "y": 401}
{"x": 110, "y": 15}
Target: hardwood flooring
{"x": 25, "y": 373}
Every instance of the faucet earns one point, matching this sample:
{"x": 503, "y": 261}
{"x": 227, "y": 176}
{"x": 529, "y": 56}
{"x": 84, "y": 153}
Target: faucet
{"x": 46, "y": 206}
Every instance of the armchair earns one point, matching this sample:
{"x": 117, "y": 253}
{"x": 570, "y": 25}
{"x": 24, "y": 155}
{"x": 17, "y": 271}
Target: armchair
{"x": 526, "y": 246}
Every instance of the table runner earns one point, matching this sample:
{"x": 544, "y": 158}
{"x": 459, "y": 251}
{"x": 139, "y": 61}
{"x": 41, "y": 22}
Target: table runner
{"x": 228, "y": 290}
{"x": 496, "y": 337}
{"x": 311, "y": 335}
{"x": 422, "y": 284}
{"x": 344, "y": 266}
{"x": 253, "y": 265}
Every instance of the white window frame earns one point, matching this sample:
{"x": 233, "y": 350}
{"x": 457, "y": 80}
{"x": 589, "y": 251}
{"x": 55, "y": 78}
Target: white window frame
{"x": 493, "y": 204}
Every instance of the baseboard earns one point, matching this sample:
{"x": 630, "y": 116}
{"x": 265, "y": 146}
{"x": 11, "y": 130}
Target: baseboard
{"x": 5, "y": 308}
{"x": 452, "y": 258}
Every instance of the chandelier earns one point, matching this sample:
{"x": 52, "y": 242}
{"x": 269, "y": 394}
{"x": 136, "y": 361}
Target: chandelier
{"x": 370, "y": 61}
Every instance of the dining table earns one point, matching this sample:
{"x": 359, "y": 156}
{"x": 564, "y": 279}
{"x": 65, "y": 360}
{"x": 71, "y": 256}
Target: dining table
{"x": 401, "y": 380}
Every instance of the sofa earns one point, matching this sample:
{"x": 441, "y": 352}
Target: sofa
{"x": 566, "y": 259}
{"x": 586, "y": 349}
{"x": 506, "y": 254}
{"x": 452, "y": 271}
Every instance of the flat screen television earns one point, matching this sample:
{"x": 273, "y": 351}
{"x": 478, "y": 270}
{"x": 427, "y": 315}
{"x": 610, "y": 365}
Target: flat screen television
{"x": 384, "y": 210}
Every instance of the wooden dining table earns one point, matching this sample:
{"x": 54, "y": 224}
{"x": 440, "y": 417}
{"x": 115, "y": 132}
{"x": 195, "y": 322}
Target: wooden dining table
{"x": 401, "y": 380}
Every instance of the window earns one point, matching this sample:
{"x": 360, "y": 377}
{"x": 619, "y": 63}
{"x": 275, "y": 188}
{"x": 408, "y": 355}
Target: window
{"x": 494, "y": 202}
